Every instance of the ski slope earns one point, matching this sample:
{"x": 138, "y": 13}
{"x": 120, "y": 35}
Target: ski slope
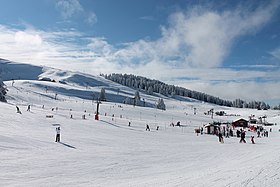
{"x": 108, "y": 152}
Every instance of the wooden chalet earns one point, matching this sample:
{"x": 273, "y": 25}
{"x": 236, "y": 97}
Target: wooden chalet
{"x": 240, "y": 123}
{"x": 211, "y": 128}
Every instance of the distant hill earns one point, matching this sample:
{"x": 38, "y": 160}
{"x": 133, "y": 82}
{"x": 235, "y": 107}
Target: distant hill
{"x": 151, "y": 86}
{"x": 69, "y": 83}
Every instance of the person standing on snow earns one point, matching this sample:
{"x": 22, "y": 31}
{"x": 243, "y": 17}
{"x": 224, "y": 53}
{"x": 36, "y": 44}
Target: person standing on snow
{"x": 57, "y": 139}
{"x": 147, "y": 128}
{"x": 237, "y": 133}
{"x": 227, "y": 133}
{"x": 259, "y": 134}
{"x": 18, "y": 110}
{"x": 230, "y": 132}
{"x": 266, "y": 133}
{"x": 28, "y": 108}
{"x": 221, "y": 139}
{"x": 242, "y": 137}
{"x": 252, "y": 139}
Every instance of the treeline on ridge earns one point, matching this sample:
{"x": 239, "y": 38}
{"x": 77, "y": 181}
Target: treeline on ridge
{"x": 151, "y": 86}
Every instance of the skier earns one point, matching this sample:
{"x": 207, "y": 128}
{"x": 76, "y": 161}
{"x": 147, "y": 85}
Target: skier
{"x": 259, "y": 134}
{"x": 237, "y": 133}
{"x": 242, "y": 137}
{"x": 252, "y": 139}
{"x": 231, "y": 132}
{"x": 57, "y": 134}
{"x": 221, "y": 139}
{"x": 28, "y": 108}
{"x": 147, "y": 127}
{"x": 18, "y": 110}
{"x": 227, "y": 133}
{"x": 266, "y": 133}
{"x": 196, "y": 131}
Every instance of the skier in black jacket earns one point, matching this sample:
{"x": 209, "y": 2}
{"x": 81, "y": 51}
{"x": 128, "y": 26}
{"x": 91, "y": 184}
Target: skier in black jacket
{"x": 242, "y": 137}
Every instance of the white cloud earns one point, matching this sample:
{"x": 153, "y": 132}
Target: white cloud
{"x": 199, "y": 37}
{"x": 69, "y": 7}
{"x": 276, "y": 53}
{"x": 100, "y": 47}
{"x": 91, "y": 18}
{"x": 248, "y": 90}
{"x": 27, "y": 39}
{"x": 204, "y": 37}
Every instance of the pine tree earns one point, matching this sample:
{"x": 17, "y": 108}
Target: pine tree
{"x": 263, "y": 106}
{"x": 137, "y": 98}
{"x": 137, "y": 101}
{"x": 161, "y": 105}
{"x": 150, "y": 90}
{"x": 137, "y": 95}
{"x": 102, "y": 95}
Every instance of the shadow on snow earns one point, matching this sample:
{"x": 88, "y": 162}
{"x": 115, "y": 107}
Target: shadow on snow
{"x": 67, "y": 145}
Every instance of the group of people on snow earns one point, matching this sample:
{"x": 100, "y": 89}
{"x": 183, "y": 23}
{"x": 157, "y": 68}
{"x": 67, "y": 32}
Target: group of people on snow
{"x": 242, "y": 135}
{"x": 226, "y": 132}
{"x": 148, "y": 127}
{"x": 28, "y": 109}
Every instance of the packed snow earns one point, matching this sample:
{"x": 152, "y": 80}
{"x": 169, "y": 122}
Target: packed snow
{"x": 109, "y": 152}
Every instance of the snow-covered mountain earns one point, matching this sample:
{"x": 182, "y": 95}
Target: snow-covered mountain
{"x": 63, "y": 82}
{"x": 109, "y": 152}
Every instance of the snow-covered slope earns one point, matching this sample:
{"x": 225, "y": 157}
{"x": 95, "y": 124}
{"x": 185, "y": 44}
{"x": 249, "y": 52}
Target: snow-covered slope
{"x": 67, "y": 83}
{"x": 11, "y": 70}
{"x": 108, "y": 152}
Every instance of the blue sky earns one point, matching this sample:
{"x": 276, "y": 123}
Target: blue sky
{"x": 230, "y": 49}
